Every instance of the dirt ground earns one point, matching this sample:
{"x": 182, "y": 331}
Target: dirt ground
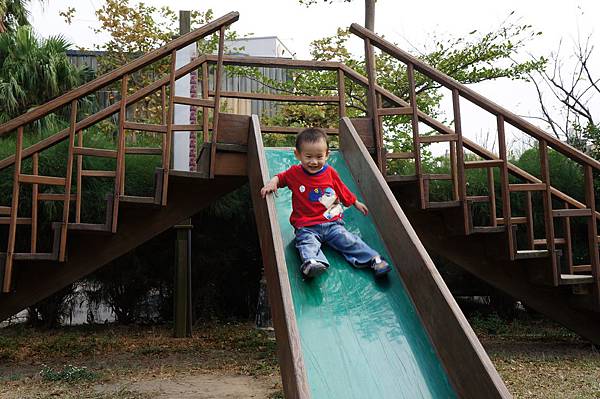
{"x": 536, "y": 359}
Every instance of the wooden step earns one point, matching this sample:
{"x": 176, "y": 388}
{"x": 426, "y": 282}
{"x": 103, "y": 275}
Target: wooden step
{"x": 484, "y": 164}
{"x": 43, "y": 256}
{"x": 83, "y": 227}
{"x": 45, "y": 180}
{"x": 488, "y": 229}
{"x": 95, "y": 152}
{"x": 478, "y": 198}
{"x": 433, "y": 176}
{"x": 6, "y": 220}
{"x": 513, "y": 220}
{"x": 581, "y": 268}
{"x": 531, "y": 253}
{"x": 569, "y": 279}
{"x": 144, "y": 127}
{"x": 186, "y": 128}
{"x": 401, "y": 178}
{"x": 563, "y": 213}
{"x": 137, "y": 200}
{"x": 54, "y": 197}
{"x": 526, "y": 187}
{"x": 5, "y": 210}
{"x": 443, "y": 204}
{"x": 399, "y": 155}
{"x": 197, "y": 102}
{"x": 143, "y": 151}
{"x": 395, "y": 111}
{"x": 542, "y": 241}
{"x": 98, "y": 173}
{"x": 438, "y": 138}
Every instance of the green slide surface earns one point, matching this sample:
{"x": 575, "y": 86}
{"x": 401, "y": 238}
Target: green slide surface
{"x": 360, "y": 337}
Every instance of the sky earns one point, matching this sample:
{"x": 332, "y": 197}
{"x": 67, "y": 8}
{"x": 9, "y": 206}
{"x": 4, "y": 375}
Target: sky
{"x": 408, "y": 23}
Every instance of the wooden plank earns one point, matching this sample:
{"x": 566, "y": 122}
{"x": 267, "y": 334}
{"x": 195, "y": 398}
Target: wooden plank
{"x": 561, "y": 213}
{"x": 62, "y": 251}
{"x": 542, "y": 241}
{"x": 364, "y": 127}
{"x": 217, "y": 98}
{"x": 469, "y": 368}
{"x": 4, "y": 210}
{"x": 581, "y": 268}
{"x": 292, "y": 98}
{"x": 341, "y": 93}
{"x": 400, "y": 155}
{"x": 120, "y": 169}
{"x": 166, "y": 161}
{"x": 401, "y": 178}
{"x": 205, "y": 110}
{"x": 196, "y": 102}
{"x": 437, "y": 176}
{"x": 270, "y": 62}
{"x": 529, "y": 216}
{"x": 514, "y": 220}
{"x": 118, "y": 73}
{"x": 492, "y": 191}
{"x": 34, "y": 203}
{"x": 443, "y": 204}
{"x": 454, "y": 171}
{"x": 78, "y": 183}
{"x": 46, "y": 180}
{"x": 410, "y": 74}
{"x": 570, "y": 279}
{"x": 95, "y": 152}
{"x": 143, "y": 151}
{"x": 491, "y": 163}
{"x": 438, "y": 138}
{"x": 230, "y": 164}
{"x": 54, "y": 197}
{"x": 504, "y": 188}
{"x": 293, "y": 372}
{"x": 547, "y": 203}
{"x": 460, "y": 160}
{"x": 233, "y": 129}
{"x": 395, "y": 111}
{"x": 145, "y": 127}
{"x": 185, "y": 128}
{"x": 478, "y": 198}
{"x": 20, "y": 220}
{"x": 14, "y": 211}
{"x": 294, "y": 130}
{"x": 98, "y": 173}
{"x": 592, "y": 233}
{"x": 527, "y": 187}
{"x": 372, "y": 108}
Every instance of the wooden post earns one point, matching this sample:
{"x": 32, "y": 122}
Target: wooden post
{"x": 590, "y": 200}
{"x": 62, "y": 253}
{"x": 183, "y": 270}
{"x": 410, "y": 72}
{"x": 372, "y": 103}
{"x": 490, "y": 175}
{"x": 460, "y": 159}
{"x": 218, "y": 76}
{"x": 341, "y": 94}
{"x": 568, "y": 244}
{"x": 205, "y": 96}
{"x": 548, "y": 218}
{"x": 506, "y": 212}
{"x": 529, "y": 219}
{"x": 166, "y": 161}
{"x": 34, "y": 204}
{"x": 79, "y": 179}
{"x": 14, "y": 210}
{"x": 120, "y": 172}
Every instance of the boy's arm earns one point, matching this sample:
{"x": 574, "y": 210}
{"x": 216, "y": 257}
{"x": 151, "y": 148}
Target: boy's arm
{"x": 346, "y": 196}
{"x": 270, "y": 187}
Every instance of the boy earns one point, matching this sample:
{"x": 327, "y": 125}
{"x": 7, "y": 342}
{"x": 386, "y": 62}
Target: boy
{"x": 316, "y": 211}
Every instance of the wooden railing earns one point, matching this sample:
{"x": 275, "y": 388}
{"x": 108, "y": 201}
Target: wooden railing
{"x": 76, "y": 151}
{"x": 571, "y": 207}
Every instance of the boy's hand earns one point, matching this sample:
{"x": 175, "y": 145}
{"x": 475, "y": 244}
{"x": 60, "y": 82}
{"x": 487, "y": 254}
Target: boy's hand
{"x": 270, "y": 187}
{"x": 361, "y": 207}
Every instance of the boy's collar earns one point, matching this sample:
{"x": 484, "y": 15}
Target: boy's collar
{"x": 323, "y": 169}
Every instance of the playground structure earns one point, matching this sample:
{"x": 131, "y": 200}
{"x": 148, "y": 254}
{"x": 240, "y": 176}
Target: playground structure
{"x": 424, "y": 338}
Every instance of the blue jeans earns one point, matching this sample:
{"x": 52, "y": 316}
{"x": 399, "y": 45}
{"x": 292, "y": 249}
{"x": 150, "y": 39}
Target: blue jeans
{"x": 309, "y": 240}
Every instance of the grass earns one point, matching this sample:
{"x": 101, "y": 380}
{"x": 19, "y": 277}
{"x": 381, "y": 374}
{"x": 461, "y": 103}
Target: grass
{"x": 536, "y": 358}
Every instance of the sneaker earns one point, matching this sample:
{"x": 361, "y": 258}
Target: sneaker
{"x": 380, "y": 266}
{"x": 312, "y": 268}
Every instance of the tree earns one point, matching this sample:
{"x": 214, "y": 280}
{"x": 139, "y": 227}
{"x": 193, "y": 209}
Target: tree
{"x": 570, "y": 83}
{"x": 13, "y": 13}
{"x": 33, "y": 71}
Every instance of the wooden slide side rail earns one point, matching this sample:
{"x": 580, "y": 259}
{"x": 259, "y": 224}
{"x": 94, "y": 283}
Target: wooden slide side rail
{"x": 293, "y": 372}
{"x": 469, "y": 368}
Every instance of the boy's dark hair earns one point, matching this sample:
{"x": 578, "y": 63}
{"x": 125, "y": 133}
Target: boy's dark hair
{"x": 311, "y": 135}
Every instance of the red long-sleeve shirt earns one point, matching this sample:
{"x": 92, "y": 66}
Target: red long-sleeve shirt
{"x": 314, "y": 196}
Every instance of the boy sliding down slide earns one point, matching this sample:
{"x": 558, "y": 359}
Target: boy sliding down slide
{"x": 316, "y": 210}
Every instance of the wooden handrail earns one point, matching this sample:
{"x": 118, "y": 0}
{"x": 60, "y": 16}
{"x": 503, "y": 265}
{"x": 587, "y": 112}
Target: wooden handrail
{"x": 474, "y": 97}
{"x": 118, "y": 73}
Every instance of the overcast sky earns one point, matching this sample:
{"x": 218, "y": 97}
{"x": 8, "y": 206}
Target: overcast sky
{"x": 408, "y": 23}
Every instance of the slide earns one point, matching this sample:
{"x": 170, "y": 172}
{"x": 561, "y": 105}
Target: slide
{"x": 346, "y": 334}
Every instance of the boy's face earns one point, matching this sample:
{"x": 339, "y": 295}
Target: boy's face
{"x": 312, "y": 156}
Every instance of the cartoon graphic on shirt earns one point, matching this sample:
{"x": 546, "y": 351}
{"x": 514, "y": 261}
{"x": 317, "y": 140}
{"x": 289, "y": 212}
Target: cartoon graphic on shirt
{"x": 331, "y": 204}
{"x": 315, "y": 194}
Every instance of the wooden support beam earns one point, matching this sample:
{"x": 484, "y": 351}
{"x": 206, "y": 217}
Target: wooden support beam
{"x": 561, "y": 213}
{"x": 197, "y": 102}
{"x": 395, "y": 111}
{"x": 95, "y": 152}
{"x": 46, "y": 180}
{"x": 145, "y": 127}
{"x": 492, "y": 163}
{"x": 143, "y": 151}
{"x": 438, "y": 138}
{"x": 527, "y": 187}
